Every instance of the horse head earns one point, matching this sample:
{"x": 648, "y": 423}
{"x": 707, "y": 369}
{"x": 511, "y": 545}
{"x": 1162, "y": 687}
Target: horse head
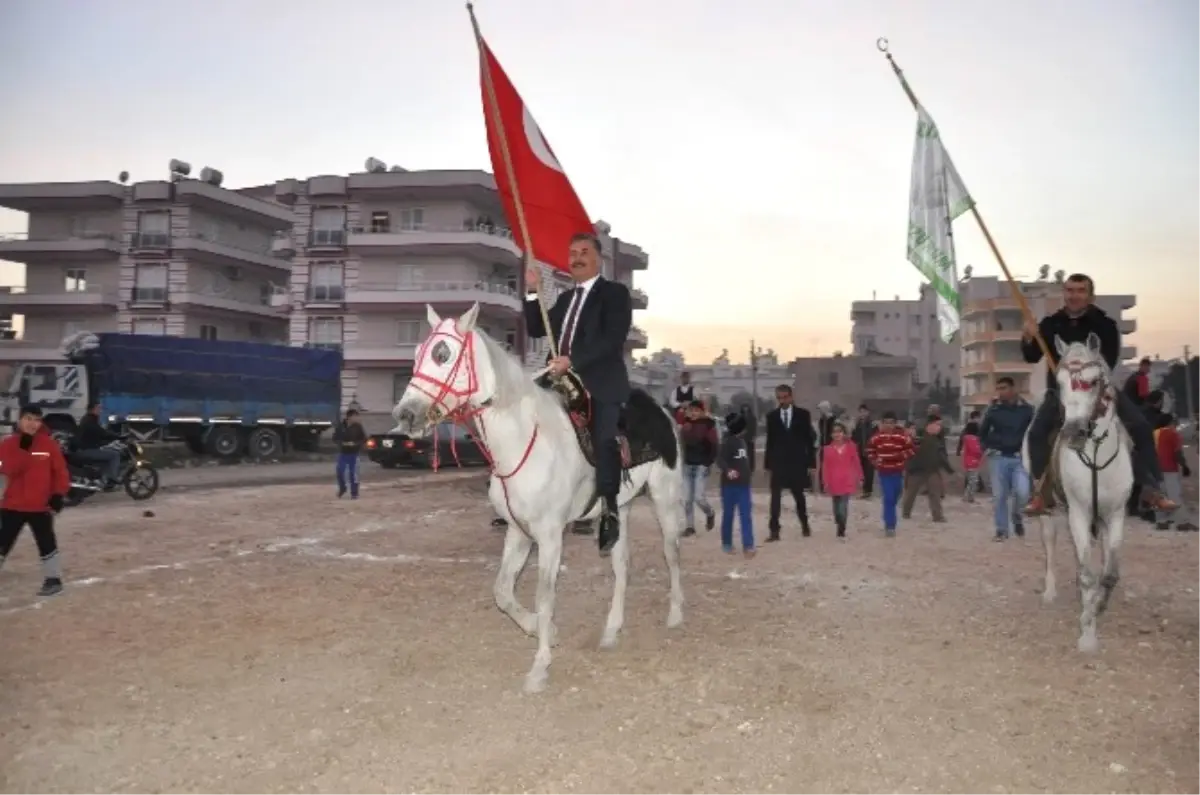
{"x": 1085, "y": 386}
{"x": 451, "y": 372}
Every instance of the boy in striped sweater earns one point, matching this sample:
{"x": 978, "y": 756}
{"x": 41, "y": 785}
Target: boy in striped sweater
{"x": 889, "y": 450}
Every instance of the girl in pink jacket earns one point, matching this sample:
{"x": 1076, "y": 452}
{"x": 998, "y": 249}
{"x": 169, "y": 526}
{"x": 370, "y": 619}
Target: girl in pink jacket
{"x": 841, "y": 469}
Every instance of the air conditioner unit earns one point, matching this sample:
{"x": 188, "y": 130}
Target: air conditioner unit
{"x": 233, "y": 273}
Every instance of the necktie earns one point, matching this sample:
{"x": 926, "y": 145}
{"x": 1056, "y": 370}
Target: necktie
{"x": 564, "y": 345}
{"x": 787, "y": 418}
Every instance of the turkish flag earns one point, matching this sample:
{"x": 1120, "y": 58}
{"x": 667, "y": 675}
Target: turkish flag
{"x": 553, "y": 212}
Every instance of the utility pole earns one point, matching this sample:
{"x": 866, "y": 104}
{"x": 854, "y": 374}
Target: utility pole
{"x": 754, "y": 375}
{"x": 1188, "y": 397}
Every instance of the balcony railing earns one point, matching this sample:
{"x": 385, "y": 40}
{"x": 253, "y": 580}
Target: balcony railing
{"x": 436, "y": 287}
{"x": 262, "y": 250}
{"x": 19, "y": 236}
{"x": 400, "y": 229}
{"x": 327, "y": 238}
{"x": 149, "y": 295}
{"x": 150, "y": 241}
{"x": 21, "y": 295}
{"x": 325, "y": 294}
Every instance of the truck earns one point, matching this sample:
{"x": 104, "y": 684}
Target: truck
{"x": 220, "y": 398}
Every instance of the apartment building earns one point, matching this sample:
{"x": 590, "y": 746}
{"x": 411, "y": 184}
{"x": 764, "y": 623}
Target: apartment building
{"x": 905, "y": 328}
{"x": 991, "y": 334}
{"x": 369, "y": 250}
{"x": 882, "y": 382}
{"x": 179, "y": 256}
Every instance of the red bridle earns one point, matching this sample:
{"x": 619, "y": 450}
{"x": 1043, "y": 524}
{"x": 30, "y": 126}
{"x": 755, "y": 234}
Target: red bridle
{"x": 462, "y": 412}
{"x": 1075, "y": 370}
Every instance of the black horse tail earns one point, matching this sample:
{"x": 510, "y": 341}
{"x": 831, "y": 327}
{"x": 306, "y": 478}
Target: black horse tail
{"x": 645, "y": 419}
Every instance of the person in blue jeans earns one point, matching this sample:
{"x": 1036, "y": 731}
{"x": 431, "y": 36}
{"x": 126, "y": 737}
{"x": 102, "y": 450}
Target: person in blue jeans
{"x": 733, "y": 459}
{"x": 889, "y": 450}
{"x": 1002, "y": 433}
{"x": 698, "y": 435}
{"x": 350, "y": 438}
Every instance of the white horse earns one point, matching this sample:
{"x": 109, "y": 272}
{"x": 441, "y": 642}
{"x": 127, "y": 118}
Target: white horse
{"x": 1094, "y": 476}
{"x": 541, "y": 480}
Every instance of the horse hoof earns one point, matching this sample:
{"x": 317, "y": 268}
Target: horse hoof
{"x": 535, "y": 683}
{"x": 675, "y": 618}
{"x": 608, "y": 640}
{"x": 1088, "y": 644}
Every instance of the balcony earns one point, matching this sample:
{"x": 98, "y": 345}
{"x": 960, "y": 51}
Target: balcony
{"x": 18, "y": 300}
{"x": 68, "y": 248}
{"x": 477, "y": 242}
{"x": 326, "y": 240}
{"x": 203, "y": 248}
{"x": 391, "y": 296}
{"x": 981, "y": 367}
{"x": 987, "y": 305}
{"x": 325, "y": 296}
{"x": 637, "y": 338}
{"x": 630, "y": 257}
{"x": 208, "y": 299}
{"x": 150, "y": 243}
{"x": 640, "y": 299}
{"x": 880, "y": 362}
{"x": 971, "y": 338}
{"x": 1128, "y": 352}
{"x": 1128, "y": 326}
{"x": 231, "y": 203}
{"x": 12, "y": 351}
{"x": 30, "y": 197}
{"x": 374, "y": 353}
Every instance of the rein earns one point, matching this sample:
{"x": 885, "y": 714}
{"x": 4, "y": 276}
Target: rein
{"x": 1100, "y": 407}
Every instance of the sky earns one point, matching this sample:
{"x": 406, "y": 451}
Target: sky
{"x": 760, "y": 151}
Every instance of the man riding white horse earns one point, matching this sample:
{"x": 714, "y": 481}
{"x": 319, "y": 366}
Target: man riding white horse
{"x": 1078, "y": 318}
{"x": 591, "y": 324}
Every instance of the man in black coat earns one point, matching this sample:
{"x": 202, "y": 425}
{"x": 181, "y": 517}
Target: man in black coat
{"x": 1078, "y": 319}
{"x": 864, "y": 429}
{"x": 591, "y": 324}
{"x": 790, "y": 457}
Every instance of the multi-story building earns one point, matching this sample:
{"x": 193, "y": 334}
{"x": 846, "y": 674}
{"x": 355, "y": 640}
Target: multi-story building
{"x": 991, "y": 334}
{"x": 882, "y": 382}
{"x": 906, "y": 328}
{"x": 182, "y": 257}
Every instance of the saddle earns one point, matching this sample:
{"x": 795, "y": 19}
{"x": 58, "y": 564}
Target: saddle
{"x": 635, "y": 441}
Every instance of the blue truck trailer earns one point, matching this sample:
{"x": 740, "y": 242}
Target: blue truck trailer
{"x": 221, "y": 398}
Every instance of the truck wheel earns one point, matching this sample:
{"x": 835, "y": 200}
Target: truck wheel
{"x": 224, "y": 441}
{"x": 265, "y": 443}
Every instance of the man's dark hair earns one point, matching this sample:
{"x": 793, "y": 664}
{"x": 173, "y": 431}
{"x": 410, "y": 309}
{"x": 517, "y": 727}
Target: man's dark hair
{"x": 31, "y": 411}
{"x": 787, "y": 390}
{"x": 889, "y": 415}
{"x": 1145, "y": 360}
{"x": 974, "y": 415}
{"x": 1164, "y": 421}
{"x": 863, "y": 407}
{"x": 696, "y": 404}
{"x": 590, "y": 237}
{"x": 1083, "y": 278}
{"x": 1005, "y": 380}
{"x": 351, "y": 413}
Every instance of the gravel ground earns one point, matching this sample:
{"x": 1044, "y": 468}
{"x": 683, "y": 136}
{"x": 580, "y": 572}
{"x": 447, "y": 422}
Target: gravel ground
{"x": 275, "y": 639}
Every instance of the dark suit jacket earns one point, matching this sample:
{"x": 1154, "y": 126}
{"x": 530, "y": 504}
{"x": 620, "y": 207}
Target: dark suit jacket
{"x": 601, "y": 329}
{"x": 790, "y": 451}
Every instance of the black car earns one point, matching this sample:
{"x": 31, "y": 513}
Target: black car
{"x": 391, "y": 450}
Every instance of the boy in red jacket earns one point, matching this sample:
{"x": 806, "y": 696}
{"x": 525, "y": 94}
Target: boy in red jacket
{"x": 37, "y": 480}
{"x": 889, "y": 450}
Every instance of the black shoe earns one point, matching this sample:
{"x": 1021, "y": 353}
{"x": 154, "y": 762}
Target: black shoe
{"x": 688, "y": 532}
{"x": 52, "y": 586}
{"x": 341, "y": 492}
{"x": 805, "y": 530}
{"x": 610, "y": 532}
{"x": 710, "y": 521}
{"x": 774, "y": 536}
{"x": 1186, "y": 527}
{"x": 1162, "y": 526}
{"x": 1019, "y": 530}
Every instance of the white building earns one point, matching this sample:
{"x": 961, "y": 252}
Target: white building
{"x": 902, "y": 327}
{"x": 722, "y": 379}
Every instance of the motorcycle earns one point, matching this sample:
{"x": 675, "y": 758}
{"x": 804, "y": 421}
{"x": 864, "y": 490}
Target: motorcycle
{"x": 137, "y": 476}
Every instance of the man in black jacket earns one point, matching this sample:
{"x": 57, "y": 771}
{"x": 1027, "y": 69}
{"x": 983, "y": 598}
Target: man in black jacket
{"x": 864, "y": 429}
{"x": 90, "y": 439}
{"x": 591, "y": 324}
{"x": 790, "y": 457}
{"x": 1078, "y": 318}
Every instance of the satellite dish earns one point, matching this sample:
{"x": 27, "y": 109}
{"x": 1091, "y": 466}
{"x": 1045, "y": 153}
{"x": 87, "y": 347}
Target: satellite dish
{"x": 1059, "y": 275}
{"x": 180, "y": 167}
{"x": 123, "y": 177}
{"x": 967, "y": 271}
{"x": 212, "y": 176}
{"x": 1043, "y": 273}
{"x": 374, "y": 165}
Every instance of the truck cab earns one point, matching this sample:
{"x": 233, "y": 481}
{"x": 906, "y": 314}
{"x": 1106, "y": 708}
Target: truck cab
{"x": 59, "y": 390}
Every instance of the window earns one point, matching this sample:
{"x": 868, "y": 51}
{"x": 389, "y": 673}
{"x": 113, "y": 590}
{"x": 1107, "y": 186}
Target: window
{"x": 328, "y": 226}
{"x": 828, "y": 379}
{"x": 325, "y": 282}
{"x": 412, "y": 219}
{"x": 208, "y": 332}
{"x": 381, "y": 221}
{"x": 400, "y": 381}
{"x": 41, "y": 377}
{"x": 151, "y": 284}
{"x": 154, "y": 326}
{"x": 154, "y": 229}
{"x": 325, "y": 332}
{"x": 411, "y": 276}
{"x": 410, "y": 332}
{"x": 76, "y": 280}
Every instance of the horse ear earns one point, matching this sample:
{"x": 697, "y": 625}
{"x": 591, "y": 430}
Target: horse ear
{"x": 432, "y": 317}
{"x": 1093, "y": 342}
{"x": 466, "y": 323}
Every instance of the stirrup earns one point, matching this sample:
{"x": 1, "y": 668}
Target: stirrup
{"x": 1035, "y": 507}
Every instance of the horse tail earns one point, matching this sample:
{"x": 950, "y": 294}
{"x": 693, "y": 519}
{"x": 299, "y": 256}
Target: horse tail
{"x": 659, "y": 427}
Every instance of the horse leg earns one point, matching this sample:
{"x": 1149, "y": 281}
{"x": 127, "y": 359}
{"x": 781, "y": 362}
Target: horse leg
{"x": 1111, "y": 573}
{"x": 1088, "y": 582}
{"x": 1049, "y": 538}
{"x": 517, "y": 546}
{"x": 665, "y": 493}
{"x": 620, "y": 567}
{"x": 549, "y": 541}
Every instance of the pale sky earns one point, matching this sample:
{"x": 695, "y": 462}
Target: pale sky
{"x": 758, "y": 150}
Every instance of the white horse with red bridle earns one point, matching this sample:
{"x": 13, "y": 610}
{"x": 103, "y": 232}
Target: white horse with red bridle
{"x": 541, "y": 480}
{"x": 1093, "y": 468}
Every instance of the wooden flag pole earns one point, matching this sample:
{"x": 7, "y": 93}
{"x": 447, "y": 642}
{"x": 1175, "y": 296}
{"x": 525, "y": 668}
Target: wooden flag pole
{"x": 493, "y": 110}
{"x": 1018, "y": 296}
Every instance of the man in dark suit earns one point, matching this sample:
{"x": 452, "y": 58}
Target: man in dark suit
{"x": 790, "y": 457}
{"x": 591, "y": 324}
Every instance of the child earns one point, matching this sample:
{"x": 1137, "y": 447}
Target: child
{"x": 971, "y": 450}
{"x": 888, "y": 451}
{"x": 843, "y": 474}
{"x": 733, "y": 460}
{"x": 1169, "y": 445}
{"x": 350, "y": 437}
{"x": 699, "y": 437}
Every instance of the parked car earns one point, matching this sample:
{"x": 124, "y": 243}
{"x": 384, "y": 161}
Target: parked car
{"x": 455, "y": 447}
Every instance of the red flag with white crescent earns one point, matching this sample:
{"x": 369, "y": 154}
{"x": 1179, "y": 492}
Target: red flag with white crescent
{"x": 553, "y": 211}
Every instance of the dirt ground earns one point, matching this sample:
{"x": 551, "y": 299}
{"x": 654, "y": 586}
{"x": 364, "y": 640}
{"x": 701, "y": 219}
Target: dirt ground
{"x": 275, "y": 639}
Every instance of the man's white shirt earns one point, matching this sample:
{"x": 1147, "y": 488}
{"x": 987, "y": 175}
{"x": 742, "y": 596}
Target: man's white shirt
{"x": 576, "y": 305}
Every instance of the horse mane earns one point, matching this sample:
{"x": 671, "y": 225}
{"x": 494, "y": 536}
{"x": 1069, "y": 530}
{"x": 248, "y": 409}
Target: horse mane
{"x": 512, "y": 383}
